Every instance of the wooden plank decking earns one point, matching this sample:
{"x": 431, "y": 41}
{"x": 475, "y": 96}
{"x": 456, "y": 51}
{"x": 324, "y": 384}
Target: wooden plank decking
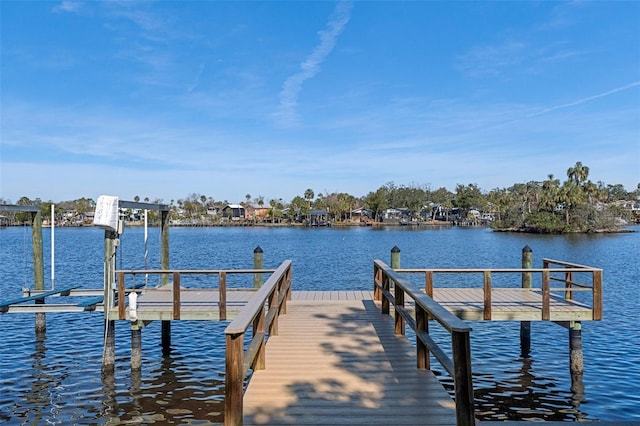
{"x": 509, "y": 304}
{"x": 512, "y": 304}
{"x": 337, "y": 361}
{"x": 195, "y": 304}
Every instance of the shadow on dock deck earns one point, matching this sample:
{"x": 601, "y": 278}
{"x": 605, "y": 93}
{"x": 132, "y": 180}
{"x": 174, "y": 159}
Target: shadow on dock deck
{"x": 340, "y": 363}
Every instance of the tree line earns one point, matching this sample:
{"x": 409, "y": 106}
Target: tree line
{"x": 551, "y": 205}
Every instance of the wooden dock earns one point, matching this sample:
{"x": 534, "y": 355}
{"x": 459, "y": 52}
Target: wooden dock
{"x": 336, "y": 360}
{"x": 341, "y": 357}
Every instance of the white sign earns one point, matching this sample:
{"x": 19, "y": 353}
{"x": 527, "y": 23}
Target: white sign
{"x": 106, "y": 215}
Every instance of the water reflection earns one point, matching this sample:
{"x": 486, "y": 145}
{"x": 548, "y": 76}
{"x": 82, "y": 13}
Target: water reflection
{"x": 108, "y": 393}
{"x": 172, "y": 392}
{"x": 524, "y": 395}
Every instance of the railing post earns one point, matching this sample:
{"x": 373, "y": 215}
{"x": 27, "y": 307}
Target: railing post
{"x": 487, "y": 295}
{"x": 286, "y": 287}
{"x": 461, "y": 347}
{"x": 222, "y": 296}
{"x": 525, "y": 326}
{"x": 258, "y": 258}
{"x": 422, "y": 326}
{"x": 377, "y": 278}
{"x": 398, "y": 302}
{"x": 258, "y": 327}
{"x": 385, "y": 289}
{"x": 233, "y": 380}
{"x": 597, "y": 294}
{"x": 546, "y": 296}
{"x": 121, "y": 296}
{"x": 568, "y": 279}
{"x": 176, "y": 295}
{"x": 272, "y": 303}
{"x": 289, "y": 283}
{"x": 428, "y": 285}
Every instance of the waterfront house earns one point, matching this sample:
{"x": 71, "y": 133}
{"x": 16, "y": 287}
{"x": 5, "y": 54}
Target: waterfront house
{"x": 396, "y": 215}
{"x": 233, "y": 212}
{"x": 256, "y": 212}
{"x": 362, "y": 215}
{"x": 318, "y": 218}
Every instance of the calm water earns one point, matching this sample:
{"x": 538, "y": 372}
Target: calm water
{"x": 57, "y": 378}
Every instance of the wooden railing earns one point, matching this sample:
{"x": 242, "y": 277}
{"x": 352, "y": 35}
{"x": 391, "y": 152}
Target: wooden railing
{"x": 262, "y": 313}
{"x": 425, "y": 309}
{"x": 553, "y": 270}
{"x": 568, "y": 269}
{"x": 176, "y": 275}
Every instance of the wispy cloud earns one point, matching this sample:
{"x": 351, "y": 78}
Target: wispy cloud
{"x": 196, "y": 80}
{"x": 67, "y": 6}
{"x": 287, "y": 114}
{"x": 483, "y": 61}
{"x": 587, "y": 99}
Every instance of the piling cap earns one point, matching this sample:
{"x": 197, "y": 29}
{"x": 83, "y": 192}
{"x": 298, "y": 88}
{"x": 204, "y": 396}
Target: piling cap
{"x": 527, "y": 249}
{"x": 258, "y": 249}
{"x": 395, "y": 249}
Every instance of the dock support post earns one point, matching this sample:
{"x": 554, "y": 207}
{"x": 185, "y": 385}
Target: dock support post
{"x": 258, "y": 257}
{"x": 164, "y": 231}
{"x": 166, "y": 324}
{"x": 575, "y": 347}
{"x": 109, "y": 351}
{"x": 166, "y": 337}
{"x": 525, "y": 326}
{"x": 136, "y": 346}
{"x": 395, "y": 258}
{"x": 395, "y": 261}
{"x": 38, "y": 267}
{"x": 576, "y": 363}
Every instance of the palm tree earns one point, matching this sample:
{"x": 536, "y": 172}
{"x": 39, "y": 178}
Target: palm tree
{"x": 578, "y": 173}
{"x": 550, "y": 192}
{"x": 272, "y": 203}
{"x": 308, "y": 195}
{"x": 571, "y": 195}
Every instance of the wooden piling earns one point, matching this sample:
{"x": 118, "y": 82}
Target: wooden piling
{"x": 164, "y": 224}
{"x": 525, "y": 326}
{"x": 395, "y": 257}
{"x": 136, "y": 346}
{"x": 38, "y": 267}
{"x": 109, "y": 349}
{"x": 258, "y": 258}
{"x": 166, "y": 337}
{"x": 395, "y": 261}
{"x": 576, "y": 363}
{"x": 166, "y": 324}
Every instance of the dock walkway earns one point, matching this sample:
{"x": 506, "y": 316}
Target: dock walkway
{"x": 336, "y": 360}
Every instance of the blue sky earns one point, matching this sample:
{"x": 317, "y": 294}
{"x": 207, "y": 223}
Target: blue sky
{"x": 165, "y": 99}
